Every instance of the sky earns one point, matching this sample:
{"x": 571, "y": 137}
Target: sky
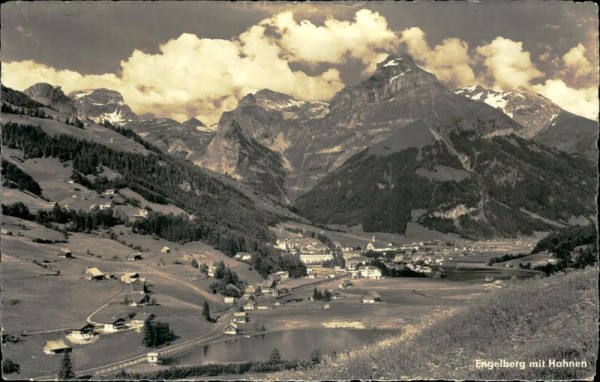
{"x": 197, "y": 59}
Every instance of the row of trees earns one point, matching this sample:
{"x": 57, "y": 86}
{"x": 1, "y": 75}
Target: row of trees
{"x": 14, "y": 177}
{"x": 75, "y": 221}
{"x": 274, "y": 363}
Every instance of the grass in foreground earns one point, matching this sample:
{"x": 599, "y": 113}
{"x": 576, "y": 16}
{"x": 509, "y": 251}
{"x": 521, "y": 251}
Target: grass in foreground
{"x": 536, "y": 319}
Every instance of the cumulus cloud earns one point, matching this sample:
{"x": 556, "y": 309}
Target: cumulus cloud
{"x": 194, "y": 76}
{"x": 449, "y": 61}
{"x": 191, "y": 76}
{"x": 364, "y": 38}
{"x": 508, "y": 64}
{"x": 576, "y": 61}
{"x": 582, "y": 102}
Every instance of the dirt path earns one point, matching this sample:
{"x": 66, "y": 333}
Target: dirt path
{"x": 89, "y": 318}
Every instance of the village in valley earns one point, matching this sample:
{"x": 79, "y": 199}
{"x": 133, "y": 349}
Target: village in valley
{"x": 345, "y": 278}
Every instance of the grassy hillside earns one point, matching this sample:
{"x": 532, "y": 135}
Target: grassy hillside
{"x": 537, "y": 319}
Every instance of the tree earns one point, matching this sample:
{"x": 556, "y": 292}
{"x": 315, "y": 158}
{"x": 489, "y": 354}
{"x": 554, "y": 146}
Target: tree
{"x": 66, "y": 367}
{"x": 315, "y": 294}
{"x": 326, "y": 295}
{"x": 203, "y": 268}
{"x": 275, "y": 356}
{"x": 194, "y": 263}
{"x": 9, "y": 367}
{"x": 206, "y": 312}
{"x": 157, "y": 333}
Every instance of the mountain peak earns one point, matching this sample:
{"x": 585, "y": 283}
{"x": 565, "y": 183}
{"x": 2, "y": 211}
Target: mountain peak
{"x": 51, "y": 96}
{"x": 196, "y": 124}
{"x": 102, "y": 105}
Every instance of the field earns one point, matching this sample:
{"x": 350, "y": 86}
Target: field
{"x": 69, "y": 302}
{"x": 535, "y": 319}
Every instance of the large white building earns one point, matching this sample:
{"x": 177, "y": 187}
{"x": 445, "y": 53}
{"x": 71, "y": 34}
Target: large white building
{"x": 317, "y": 258}
{"x": 369, "y": 271}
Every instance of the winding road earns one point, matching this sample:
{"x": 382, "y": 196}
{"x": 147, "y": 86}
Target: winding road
{"x": 213, "y": 334}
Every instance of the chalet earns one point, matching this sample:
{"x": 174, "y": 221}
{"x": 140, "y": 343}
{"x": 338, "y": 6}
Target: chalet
{"x": 370, "y": 297}
{"x": 229, "y": 300}
{"x": 231, "y": 329}
{"x": 240, "y": 317}
{"x": 66, "y": 253}
{"x": 140, "y": 318}
{"x": 85, "y": 333}
{"x": 138, "y": 285}
{"x": 211, "y": 271}
{"x": 251, "y": 289}
{"x": 153, "y": 357}
{"x": 134, "y": 256}
{"x": 370, "y": 246}
{"x": 265, "y": 286}
{"x": 130, "y": 277}
{"x": 369, "y": 272}
{"x": 142, "y": 213}
{"x": 243, "y": 256}
{"x": 55, "y": 347}
{"x": 249, "y": 296}
{"x": 250, "y": 305}
{"x": 138, "y": 299}
{"x": 165, "y": 249}
{"x": 117, "y": 324}
{"x": 93, "y": 274}
{"x": 346, "y": 284}
{"x": 110, "y": 191}
{"x": 105, "y": 206}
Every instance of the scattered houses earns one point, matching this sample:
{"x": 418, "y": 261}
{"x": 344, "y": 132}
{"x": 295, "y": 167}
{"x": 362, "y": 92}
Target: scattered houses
{"x": 231, "y": 329}
{"x": 131, "y": 277}
{"x": 152, "y": 357}
{"x": 240, "y": 317}
{"x": 142, "y": 213}
{"x": 243, "y": 256}
{"x": 85, "y": 333}
{"x": 115, "y": 325}
{"x": 165, "y": 249}
{"x": 229, "y": 300}
{"x": 263, "y": 306}
{"x": 138, "y": 285}
{"x": 66, "y": 253}
{"x": 370, "y": 297}
{"x": 55, "y": 347}
{"x": 140, "y": 319}
{"x": 138, "y": 299}
{"x": 265, "y": 286}
{"x": 93, "y": 274}
{"x": 134, "y": 256}
{"x": 211, "y": 270}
